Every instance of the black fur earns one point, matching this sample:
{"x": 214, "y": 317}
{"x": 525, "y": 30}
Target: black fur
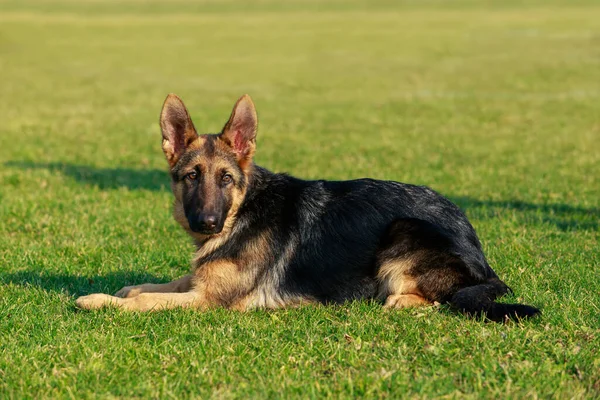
{"x": 479, "y": 300}
{"x": 328, "y": 240}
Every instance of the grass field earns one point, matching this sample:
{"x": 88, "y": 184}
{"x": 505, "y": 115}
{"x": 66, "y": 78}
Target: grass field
{"x": 496, "y": 104}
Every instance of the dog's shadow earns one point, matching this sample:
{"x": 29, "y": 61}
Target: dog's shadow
{"x": 79, "y": 285}
{"x": 562, "y": 216}
{"x": 104, "y": 178}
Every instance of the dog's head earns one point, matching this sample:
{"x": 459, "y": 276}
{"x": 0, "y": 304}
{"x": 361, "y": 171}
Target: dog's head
{"x": 209, "y": 172}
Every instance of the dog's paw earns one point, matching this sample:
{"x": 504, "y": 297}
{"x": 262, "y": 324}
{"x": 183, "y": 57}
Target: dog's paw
{"x": 405, "y": 301}
{"x": 129, "y": 291}
{"x": 95, "y": 301}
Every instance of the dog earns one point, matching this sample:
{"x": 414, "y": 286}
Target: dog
{"x": 270, "y": 240}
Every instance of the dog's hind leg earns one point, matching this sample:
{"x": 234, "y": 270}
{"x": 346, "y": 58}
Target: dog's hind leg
{"x": 397, "y": 287}
{"x": 177, "y": 286}
{"x": 416, "y": 265}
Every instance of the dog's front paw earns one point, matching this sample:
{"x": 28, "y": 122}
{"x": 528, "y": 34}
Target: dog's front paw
{"x": 129, "y": 291}
{"x": 95, "y": 301}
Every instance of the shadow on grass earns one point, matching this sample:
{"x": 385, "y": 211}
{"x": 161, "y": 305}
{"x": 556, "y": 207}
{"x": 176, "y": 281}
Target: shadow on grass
{"x": 78, "y": 285}
{"x": 104, "y": 178}
{"x": 563, "y": 216}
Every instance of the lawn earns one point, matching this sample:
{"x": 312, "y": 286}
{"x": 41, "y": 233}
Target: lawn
{"x": 495, "y": 104}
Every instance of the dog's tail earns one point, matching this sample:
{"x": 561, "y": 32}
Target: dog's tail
{"x": 479, "y": 300}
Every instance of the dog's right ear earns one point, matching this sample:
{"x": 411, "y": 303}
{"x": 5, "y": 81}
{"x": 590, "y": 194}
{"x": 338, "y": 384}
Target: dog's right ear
{"x": 177, "y": 129}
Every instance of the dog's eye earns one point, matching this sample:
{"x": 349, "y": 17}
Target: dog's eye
{"x": 191, "y": 176}
{"x": 227, "y": 178}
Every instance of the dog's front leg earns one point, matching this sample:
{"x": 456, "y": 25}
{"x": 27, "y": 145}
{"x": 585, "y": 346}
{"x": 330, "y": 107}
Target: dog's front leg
{"x": 143, "y": 302}
{"x": 178, "y": 286}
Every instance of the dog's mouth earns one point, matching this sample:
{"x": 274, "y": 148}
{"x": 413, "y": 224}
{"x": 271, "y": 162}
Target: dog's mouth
{"x": 207, "y": 232}
{"x": 203, "y": 229}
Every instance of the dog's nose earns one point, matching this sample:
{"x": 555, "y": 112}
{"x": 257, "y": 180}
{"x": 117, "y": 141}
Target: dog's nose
{"x": 209, "y": 221}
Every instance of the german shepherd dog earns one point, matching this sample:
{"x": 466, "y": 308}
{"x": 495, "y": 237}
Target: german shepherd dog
{"x": 267, "y": 240}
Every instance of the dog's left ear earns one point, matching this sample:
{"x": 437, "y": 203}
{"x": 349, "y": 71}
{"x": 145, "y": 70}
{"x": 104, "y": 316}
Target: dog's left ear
{"x": 239, "y": 132}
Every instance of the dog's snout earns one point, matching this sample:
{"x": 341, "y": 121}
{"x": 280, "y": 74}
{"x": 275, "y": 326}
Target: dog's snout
{"x": 206, "y": 223}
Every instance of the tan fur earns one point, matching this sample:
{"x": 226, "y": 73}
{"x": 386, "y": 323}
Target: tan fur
{"x": 405, "y": 301}
{"x": 143, "y": 302}
{"x": 397, "y": 286}
{"x": 229, "y": 283}
{"x": 169, "y": 150}
{"x": 198, "y": 143}
{"x": 220, "y": 281}
{"x": 178, "y": 286}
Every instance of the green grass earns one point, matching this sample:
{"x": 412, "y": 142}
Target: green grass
{"x": 494, "y": 104}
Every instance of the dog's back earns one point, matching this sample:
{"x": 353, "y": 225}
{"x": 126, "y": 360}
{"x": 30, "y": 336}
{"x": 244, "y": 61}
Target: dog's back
{"x": 325, "y": 235}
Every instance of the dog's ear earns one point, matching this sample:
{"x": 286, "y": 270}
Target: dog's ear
{"x": 177, "y": 128}
{"x": 239, "y": 133}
